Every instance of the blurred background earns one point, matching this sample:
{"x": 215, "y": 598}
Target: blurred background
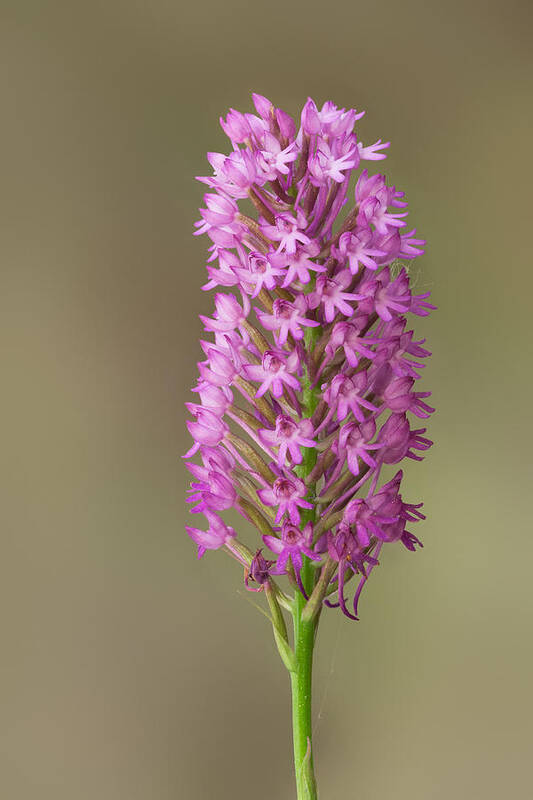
{"x": 129, "y": 670}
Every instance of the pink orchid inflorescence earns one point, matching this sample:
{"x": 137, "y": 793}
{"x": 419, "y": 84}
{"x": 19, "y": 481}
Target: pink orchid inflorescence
{"x": 306, "y": 389}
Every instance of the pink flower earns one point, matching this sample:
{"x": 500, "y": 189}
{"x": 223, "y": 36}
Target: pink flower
{"x": 287, "y": 493}
{"x": 398, "y": 396}
{"x": 324, "y": 164}
{"x": 354, "y": 444}
{"x": 358, "y": 248}
{"x": 273, "y": 160}
{"x": 287, "y": 231}
{"x": 274, "y": 371}
{"x": 235, "y": 126}
{"x": 294, "y": 544}
{"x": 330, "y": 295}
{"x": 262, "y": 272}
{"x": 348, "y": 336}
{"x": 221, "y": 366}
{"x": 289, "y": 436}
{"x": 345, "y": 394}
{"x": 229, "y": 314}
{"x": 207, "y": 429}
{"x": 287, "y": 318}
{"x": 370, "y": 153}
{"x": 374, "y": 197}
{"x": 215, "y": 537}
{"x": 299, "y": 264}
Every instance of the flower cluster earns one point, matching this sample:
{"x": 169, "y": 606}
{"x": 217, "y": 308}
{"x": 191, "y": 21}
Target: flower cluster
{"x": 307, "y": 389}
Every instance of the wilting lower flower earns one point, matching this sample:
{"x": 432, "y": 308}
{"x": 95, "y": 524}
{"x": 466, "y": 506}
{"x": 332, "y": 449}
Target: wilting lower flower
{"x": 258, "y": 571}
{"x": 307, "y": 391}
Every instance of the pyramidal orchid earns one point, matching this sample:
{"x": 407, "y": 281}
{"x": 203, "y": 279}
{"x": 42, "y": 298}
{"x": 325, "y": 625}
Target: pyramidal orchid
{"x": 306, "y": 395}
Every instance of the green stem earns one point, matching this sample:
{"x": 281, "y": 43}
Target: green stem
{"x": 301, "y": 684}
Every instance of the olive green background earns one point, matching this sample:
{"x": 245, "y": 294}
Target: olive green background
{"x": 129, "y": 670}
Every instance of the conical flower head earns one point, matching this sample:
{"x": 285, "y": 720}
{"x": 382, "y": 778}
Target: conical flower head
{"x": 307, "y": 391}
